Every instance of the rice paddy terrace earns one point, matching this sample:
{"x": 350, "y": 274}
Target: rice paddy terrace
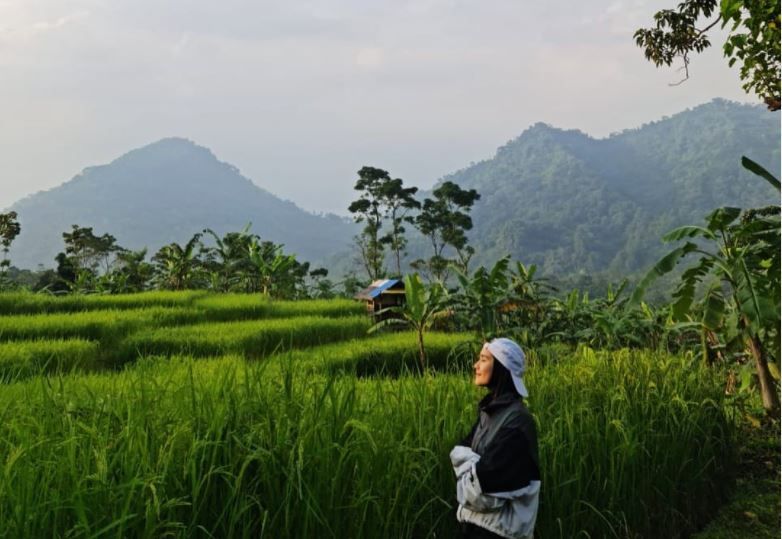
{"x": 202, "y": 415}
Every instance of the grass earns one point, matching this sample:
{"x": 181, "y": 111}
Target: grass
{"x": 252, "y": 338}
{"x": 107, "y": 325}
{"x": 22, "y": 359}
{"x": 632, "y": 444}
{"x": 389, "y": 354}
{"x": 336, "y": 434}
{"x": 753, "y": 510}
{"x": 213, "y": 306}
{"x": 29, "y": 303}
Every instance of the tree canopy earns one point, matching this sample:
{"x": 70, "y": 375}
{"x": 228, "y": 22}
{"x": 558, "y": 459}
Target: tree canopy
{"x": 753, "y": 40}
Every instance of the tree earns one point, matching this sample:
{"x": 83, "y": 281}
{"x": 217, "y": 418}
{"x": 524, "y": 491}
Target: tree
{"x": 423, "y": 306}
{"x": 398, "y": 201}
{"x": 444, "y": 220}
{"x": 754, "y": 40}
{"x": 90, "y": 252}
{"x": 133, "y": 272}
{"x": 368, "y": 209}
{"x": 9, "y": 229}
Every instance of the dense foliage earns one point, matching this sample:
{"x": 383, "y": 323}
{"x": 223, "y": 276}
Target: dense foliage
{"x": 753, "y": 40}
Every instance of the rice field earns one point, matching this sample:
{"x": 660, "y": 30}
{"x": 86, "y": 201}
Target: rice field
{"x": 166, "y": 419}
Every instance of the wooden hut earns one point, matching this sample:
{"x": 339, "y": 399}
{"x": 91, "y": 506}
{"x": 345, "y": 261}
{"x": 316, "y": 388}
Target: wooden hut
{"x": 382, "y": 294}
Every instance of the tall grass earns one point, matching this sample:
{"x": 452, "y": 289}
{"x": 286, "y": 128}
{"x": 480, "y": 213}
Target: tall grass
{"x": 632, "y": 444}
{"x": 253, "y": 306}
{"x": 29, "y": 303}
{"x": 389, "y": 354}
{"x": 213, "y": 305}
{"x": 97, "y": 325}
{"x": 22, "y": 359}
{"x": 252, "y": 338}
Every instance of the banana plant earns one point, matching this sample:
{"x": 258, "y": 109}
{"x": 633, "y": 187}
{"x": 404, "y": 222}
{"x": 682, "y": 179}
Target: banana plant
{"x": 270, "y": 263}
{"x": 226, "y": 257}
{"x": 423, "y": 306}
{"x": 739, "y": 263}
{"x": 484, "y": 296}
{"x": 177, "y": 266}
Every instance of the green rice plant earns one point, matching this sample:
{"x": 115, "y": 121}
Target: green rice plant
{"x": 227, "y": 307}
{"x": 254, "y": 338}
{"x": 105, "y": 325}
{"x": 22, "y": 359}
{"x": 632, "y": 444}
{"x": 389, "y": 354}
{"x": 216, "y": 306}
{"x": 29, "y": 303}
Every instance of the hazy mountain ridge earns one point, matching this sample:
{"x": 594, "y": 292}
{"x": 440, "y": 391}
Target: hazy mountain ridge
{"x": 166, "y": 192}
{"x": 558, "y": 198}
{"x": 572, "y": 203}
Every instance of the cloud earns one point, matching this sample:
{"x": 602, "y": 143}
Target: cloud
{"x": 180, "y": 45}
{"x": 369, "y": 58}
{"x": 37, "y": 28}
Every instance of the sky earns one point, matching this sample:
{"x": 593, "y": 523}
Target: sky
{"x": 299, "y": 95}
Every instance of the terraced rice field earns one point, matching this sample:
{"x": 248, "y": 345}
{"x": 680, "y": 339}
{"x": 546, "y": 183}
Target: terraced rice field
{"x": 196, "y": 415}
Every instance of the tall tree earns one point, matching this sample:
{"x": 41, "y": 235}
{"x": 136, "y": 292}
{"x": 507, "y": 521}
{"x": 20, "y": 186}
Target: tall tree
{"x": 398, "y": 201}
{"x": 753, "y": 40}
{"x": 368, "y": 209}
{"x": 133, "y": 272}
{"x": 90, "y": 252}
{"x": 9, "y": 229}
{"x": 445, "y": 221}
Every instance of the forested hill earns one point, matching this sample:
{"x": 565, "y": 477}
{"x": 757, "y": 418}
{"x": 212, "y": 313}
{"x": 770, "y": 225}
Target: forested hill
{"x": 166, "y": 192}
{"x": 561, "y": 199}
{"x": 575, "y": 204}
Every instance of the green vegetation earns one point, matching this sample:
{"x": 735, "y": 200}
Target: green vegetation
{"x": 58, "y": 334}
{"x": 753, "y": 40}
{"x": 584, "y": 209}
{"x": 253, "y": 338}
{"x": 22, "y": 359}
{"x": 226, "y": 427}
{"x": 9, "y": 229}
{"x": 632, "y": 443}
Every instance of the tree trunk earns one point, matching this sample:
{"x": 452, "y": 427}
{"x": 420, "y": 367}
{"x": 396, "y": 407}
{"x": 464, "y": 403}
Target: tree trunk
{"x": 421, "y": 350}
{"x": 767, "y": 389}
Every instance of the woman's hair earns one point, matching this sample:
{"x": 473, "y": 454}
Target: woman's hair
{"x": 501, "y": 381}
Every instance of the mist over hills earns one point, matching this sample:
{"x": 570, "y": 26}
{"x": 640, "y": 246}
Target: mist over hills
{"x": 561, "y": 199}
{"x": 165, "y": 192}
{"x": 574, "y": 204}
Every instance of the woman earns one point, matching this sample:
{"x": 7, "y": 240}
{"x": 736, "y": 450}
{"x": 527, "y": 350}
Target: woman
{"x": 496, "y": 465}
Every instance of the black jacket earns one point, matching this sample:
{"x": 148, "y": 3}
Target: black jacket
{"x": 510, "y": 461}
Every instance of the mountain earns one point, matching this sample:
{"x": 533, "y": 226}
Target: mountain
{"x": 166, "y": 192}
{"x": 575, "y": 204}
{"x": 571, "y": 203}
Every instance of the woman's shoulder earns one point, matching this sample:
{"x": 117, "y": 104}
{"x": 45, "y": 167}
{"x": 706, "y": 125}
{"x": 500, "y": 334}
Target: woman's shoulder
{"x": 519, "y": 417}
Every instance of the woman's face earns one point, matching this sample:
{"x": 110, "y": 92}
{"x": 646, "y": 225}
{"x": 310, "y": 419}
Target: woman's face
{"x": 483, "y": 368}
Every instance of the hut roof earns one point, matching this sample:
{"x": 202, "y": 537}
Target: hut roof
{"x": 378, "y": 287}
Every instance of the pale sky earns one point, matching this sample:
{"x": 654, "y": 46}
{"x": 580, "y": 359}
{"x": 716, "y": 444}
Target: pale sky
{"x": 301, "y": 94}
